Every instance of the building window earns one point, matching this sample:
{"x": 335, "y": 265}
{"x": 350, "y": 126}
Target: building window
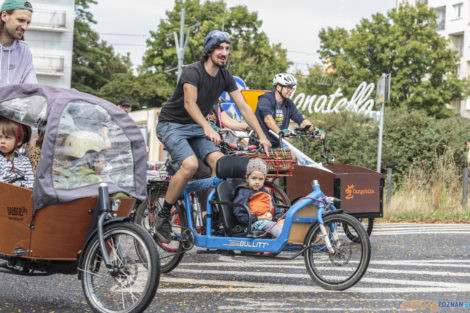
{"x": 457, "y": 8}
{"x": 441, "y": 17}
{"x": 456, "y": 43}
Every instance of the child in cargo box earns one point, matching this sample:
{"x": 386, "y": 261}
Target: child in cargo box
{"x": 264, "y": 213}
{"x": 15, "y": 168}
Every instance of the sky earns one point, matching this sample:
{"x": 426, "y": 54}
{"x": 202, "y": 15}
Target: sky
{"x": 295, "y": 24}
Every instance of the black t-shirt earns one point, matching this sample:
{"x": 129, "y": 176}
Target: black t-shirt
{"x": 209, "y": 88}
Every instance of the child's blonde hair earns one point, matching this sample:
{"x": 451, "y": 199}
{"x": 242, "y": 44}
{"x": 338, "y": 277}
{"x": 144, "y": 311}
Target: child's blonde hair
{"x": 14, "y": 129}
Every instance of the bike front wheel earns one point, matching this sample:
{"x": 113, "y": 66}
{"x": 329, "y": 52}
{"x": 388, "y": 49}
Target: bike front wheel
{"x": 131, "y": 284}
{"x": 344, "y": 266}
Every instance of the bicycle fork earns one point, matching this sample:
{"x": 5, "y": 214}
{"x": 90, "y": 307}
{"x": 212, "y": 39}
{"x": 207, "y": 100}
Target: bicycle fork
{"x": 325, "y": 235}
{"x": 103, "y": 198}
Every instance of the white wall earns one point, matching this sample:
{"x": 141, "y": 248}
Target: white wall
{"x": 50, "y": 37}
{"x": 457, "y": 30}
{"x": 148, "y": 118}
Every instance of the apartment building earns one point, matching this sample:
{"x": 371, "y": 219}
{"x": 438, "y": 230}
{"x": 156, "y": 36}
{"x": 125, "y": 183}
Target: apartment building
{"x": 453, "y": 22}
{"x": 50, "y": 37}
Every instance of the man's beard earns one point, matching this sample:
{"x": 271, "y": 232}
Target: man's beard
{"x": 13, "y": 34}
{"x": 216, "y": 62}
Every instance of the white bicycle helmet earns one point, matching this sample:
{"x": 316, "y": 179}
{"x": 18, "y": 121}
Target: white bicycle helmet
{"x": 284, "y": 79}
{"x": 80, "y": 142}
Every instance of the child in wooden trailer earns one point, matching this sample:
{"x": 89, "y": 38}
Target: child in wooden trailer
{"x": 264, "y": 213}
{"x": 15, "y": 168}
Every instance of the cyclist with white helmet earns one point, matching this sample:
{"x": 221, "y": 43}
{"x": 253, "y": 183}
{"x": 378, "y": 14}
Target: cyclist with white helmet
{"x": 275, "y": 109}
{"x": 182, "y": 126}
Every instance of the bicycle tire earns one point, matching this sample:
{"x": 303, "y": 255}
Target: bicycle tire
{"x": 170, "y": 253}
{"x": 278, "y": 194}
{"x": 340, "y": 261}
{"x": 369, "y": 227}
{"x": 134, "y": 254}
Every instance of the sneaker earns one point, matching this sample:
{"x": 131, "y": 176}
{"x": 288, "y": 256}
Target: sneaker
{"x": 163, "y": 230}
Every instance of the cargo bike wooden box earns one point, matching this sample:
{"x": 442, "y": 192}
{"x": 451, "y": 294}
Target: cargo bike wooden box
{"x": 68, "y": 223}
{"x": 359, "y": 189}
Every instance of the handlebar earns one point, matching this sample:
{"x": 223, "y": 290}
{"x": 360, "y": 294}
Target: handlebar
{"x": 306, "y": 132}
{"x": 229, "y": 148}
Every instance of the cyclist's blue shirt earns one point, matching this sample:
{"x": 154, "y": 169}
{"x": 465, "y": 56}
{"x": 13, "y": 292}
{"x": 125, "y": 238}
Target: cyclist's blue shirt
{"x": 281, "y": 113}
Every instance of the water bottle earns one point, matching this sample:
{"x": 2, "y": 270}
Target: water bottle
{"x": 197, "y": 214}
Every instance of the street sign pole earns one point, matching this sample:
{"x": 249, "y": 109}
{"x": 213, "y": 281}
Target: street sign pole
{"x": 383, "y": 94}
{"x": 181, "y": 43}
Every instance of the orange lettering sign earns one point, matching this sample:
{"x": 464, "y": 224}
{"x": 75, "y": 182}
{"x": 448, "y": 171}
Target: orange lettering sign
{"x": 351, "y": 192}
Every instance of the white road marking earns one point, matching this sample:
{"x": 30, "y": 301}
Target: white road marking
{"x": 369, "y": 270}
{"x": 419, "y": 225}
{"x": 301, "y": 265}
{"x": 413, "y": 286}
{"x": 407, "y": 277}
{"x": 417, "y": 232}
{"x": 306, "y": 276}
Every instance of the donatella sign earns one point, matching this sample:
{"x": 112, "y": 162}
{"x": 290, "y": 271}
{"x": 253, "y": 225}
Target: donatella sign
{"x": 360, "y": 101}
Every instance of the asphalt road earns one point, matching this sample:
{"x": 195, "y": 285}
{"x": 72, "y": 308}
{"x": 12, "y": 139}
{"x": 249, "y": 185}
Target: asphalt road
{"x": 414, "y": 268}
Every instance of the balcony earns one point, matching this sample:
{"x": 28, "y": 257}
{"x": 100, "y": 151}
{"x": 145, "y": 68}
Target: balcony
{"x": 48, "y": 20}
{"x": 49, "y": 65}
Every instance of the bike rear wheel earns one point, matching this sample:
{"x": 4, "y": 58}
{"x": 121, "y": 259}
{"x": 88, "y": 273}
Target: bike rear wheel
{"x": 146, "y": 216}
{"x": 344, "y": 267}
{"x": 132, "y": 283}
{"x": 367, "y": 223}
{"x": 279, "y": 196}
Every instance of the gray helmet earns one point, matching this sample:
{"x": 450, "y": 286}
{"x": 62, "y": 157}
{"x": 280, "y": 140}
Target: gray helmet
{"x": 284, "y": 79}
{"x": 80, "y": 142}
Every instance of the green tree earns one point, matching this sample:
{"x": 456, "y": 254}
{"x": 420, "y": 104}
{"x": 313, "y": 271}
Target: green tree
{"x": 144, "y": 91}
{"x": 412, "y": 138}
{"x": 253, "y": 58}
{"x": 317, "y": 82}
{"x": 93, "y": 60}
{"x": 405, "y": 44}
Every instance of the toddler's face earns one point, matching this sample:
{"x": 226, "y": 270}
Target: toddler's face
{"x": 7, "y": 143}
{"x": 100, "y": 163}
{"x": 255, "y": 180}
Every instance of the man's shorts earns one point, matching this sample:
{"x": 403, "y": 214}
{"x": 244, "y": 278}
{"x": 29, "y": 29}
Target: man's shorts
{"x": 184, "y": 140}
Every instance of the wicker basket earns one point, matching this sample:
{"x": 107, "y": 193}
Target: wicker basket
{"x": 280, "y": 161}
